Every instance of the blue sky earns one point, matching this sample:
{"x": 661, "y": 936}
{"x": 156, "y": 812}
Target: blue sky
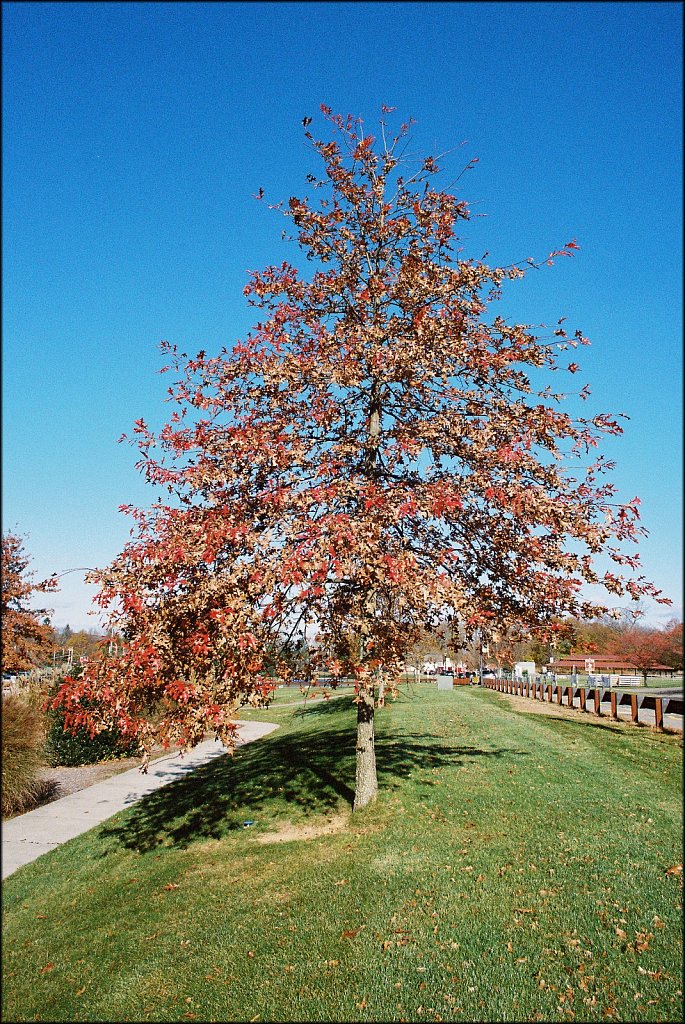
{"x": 135, "y": 134}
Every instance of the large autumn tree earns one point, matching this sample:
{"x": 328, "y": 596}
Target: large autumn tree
{"x": 27, "y": 638}
{"x": 646, "y": 647}
{"x": 378, "y": 455}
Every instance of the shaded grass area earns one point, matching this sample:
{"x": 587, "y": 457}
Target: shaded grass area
{"x": 514, "y": 868}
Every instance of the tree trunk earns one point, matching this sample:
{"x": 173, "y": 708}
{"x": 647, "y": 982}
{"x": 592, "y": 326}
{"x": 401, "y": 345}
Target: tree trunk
{"x": 381, "y": 690}
{"x": 366, "y": 783}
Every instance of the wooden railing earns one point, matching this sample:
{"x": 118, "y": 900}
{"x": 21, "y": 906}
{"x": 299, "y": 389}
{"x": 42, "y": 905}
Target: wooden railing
{"x": 590, "y": 698}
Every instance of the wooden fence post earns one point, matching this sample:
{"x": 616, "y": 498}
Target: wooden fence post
{"x": 569, "y": 696}
{"x": 614, "y": 711}
{"x": 560, "y": 691}
{"x": 582, "y": 698}
{"x": 598, "y": 700}
{"x": 633, "y": 707}
{"x": 659, "y": 713}
{"x": 549, "y": 693}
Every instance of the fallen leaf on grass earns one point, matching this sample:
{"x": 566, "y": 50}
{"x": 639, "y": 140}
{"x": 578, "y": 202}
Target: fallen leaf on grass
{"x": 677, "y": 869}
{"x": 351, "y": 933}
{"x": 171, "y": 885}
{"x": 48, "y": 967}
{"x": 80, "y": 991}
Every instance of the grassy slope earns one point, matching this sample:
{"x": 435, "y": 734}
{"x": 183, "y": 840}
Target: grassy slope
{"x": 514, "y": 868}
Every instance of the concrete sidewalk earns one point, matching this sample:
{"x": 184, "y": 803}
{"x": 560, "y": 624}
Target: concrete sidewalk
{"x": 30, "y": 835}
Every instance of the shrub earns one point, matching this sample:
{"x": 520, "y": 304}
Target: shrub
{"x": 23, "y": 734}
{"x": 70, "y": 749}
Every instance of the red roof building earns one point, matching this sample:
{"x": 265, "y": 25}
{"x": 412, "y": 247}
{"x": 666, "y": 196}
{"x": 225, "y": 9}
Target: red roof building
{"x": 603, "y": 664}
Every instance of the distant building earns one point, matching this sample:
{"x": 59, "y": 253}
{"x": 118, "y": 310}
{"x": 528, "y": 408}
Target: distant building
{"x": 602, "y": 664}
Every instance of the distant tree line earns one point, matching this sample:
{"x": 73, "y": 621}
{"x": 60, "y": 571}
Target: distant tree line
{"x": 628, "y": 638}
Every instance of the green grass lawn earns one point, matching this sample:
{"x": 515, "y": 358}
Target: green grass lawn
{"x": 514, "y": 868}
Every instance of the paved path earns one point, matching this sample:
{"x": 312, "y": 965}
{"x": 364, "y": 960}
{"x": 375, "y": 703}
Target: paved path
{"x": 30, "y": 835}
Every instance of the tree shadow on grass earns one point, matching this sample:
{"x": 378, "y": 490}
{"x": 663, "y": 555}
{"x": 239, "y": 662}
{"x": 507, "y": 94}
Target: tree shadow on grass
{"x": 305, "y": 772}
